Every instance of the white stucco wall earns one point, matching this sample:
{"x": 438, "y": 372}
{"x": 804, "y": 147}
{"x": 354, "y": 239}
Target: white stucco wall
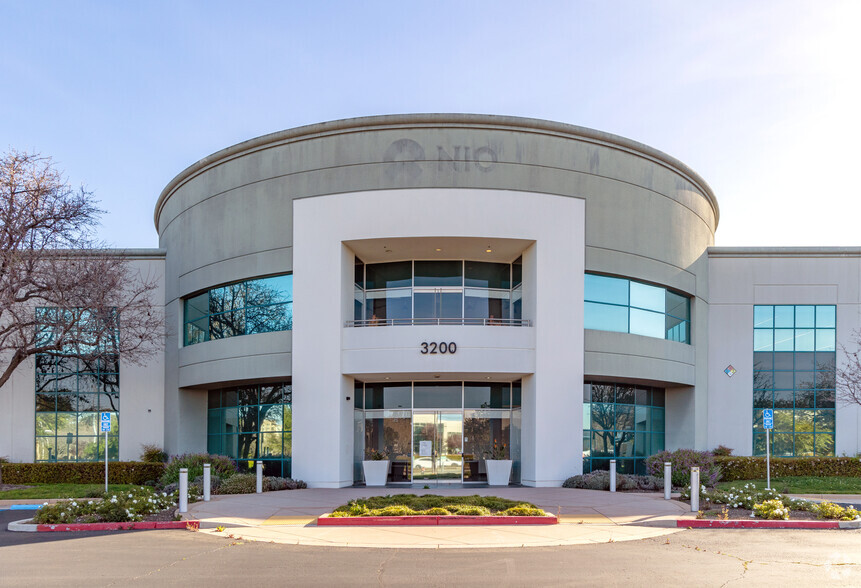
{"x": 326, "y": 352}
{"x": 743, "y": 277}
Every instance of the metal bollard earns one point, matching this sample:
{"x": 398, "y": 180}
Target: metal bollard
{"x": 183, "y": 490}
{"x": 207, "y": 482}
{"x": 612, "y": 475}
{"x": 695, "y": 489}
{"x": 260, "y": 477}
{"x": 668, "y": 479}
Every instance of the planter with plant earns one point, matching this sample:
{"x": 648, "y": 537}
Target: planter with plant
{"x": 498, "y": 465}
{"x": 376, "y": 467}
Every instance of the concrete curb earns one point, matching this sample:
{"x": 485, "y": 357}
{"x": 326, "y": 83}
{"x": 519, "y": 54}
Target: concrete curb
{"x": 328, "y": 521}
{"x": 25, "y": 527}
{"x": 762, "y": 524}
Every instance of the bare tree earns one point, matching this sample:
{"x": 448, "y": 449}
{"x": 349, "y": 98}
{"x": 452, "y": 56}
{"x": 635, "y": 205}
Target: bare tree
{"x": 61, "y": 292}
{"x": 848, "y": 373}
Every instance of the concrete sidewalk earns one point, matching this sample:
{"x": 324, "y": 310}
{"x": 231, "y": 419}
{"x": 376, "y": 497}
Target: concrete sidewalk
{"x": 585, "y": 516}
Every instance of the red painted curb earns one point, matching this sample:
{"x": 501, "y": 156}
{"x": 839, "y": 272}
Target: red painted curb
{"x": 421, "y": 520}
{"x": 143, "y": 525}
{"x": 718, "y": 524}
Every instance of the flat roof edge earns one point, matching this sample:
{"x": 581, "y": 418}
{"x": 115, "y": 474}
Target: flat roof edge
{"x": 502, "y": 122}
{"x": 784, "y": 251}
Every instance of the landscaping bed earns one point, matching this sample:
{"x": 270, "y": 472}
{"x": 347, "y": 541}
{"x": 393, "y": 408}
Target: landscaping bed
{"x": 431, "y": 509}
{"x": 747, "y": 502}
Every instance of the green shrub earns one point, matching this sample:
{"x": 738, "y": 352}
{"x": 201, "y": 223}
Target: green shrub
{"x": 153, "y": 454}
{"x": 752, "y": 468}
{"x": 469, "y": 510}
{"x": 523, "y": 510}
{"x": 771, "y": 510}
{"x": 682, "y": 461}
{"x": 119, "y": 472}
{"x": 221, "y": 466}
{"x": 239, "y": 484}
{"x": 435, "y": 511}
{"x": 722, "y": 451}
{"x": 600, "y": 480}
{"x": 392, "y": 511}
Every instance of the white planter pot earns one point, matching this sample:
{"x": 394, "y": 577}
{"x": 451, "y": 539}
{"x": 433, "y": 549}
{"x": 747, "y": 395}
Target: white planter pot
{"x": 498, "y": 471}
{"x": 376, "y": 472}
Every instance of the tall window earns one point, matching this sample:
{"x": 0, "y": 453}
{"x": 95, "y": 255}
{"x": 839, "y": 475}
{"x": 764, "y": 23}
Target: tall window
{"x": 456, "y": 291}
{"x": 626, "y": 306}
{"x": 622, "y": 422}
{"x": 244, "y": 308}
{"x": 73, "y": 385}
{"x": 250, "y": 423}
{"x": 794, "y": 358}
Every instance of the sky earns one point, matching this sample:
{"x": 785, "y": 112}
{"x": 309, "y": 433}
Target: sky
{"x": 761, "y": 98}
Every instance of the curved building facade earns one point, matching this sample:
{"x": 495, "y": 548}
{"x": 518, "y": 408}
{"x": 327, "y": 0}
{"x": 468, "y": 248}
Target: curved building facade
{"x": 439, "y": 264}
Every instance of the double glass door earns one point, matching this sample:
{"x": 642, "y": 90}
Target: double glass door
{"x": 437, "y": 446}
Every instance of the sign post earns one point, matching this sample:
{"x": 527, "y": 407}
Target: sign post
{"x": 106, "y": 427}
{"x": 768, "y": 425}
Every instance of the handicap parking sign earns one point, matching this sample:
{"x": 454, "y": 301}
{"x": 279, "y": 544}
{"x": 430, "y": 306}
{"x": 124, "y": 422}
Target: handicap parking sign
{"x": 106, "y": 422}
{"x": 768, "y": 418}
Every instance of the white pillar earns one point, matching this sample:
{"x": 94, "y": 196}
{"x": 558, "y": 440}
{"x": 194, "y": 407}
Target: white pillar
{"x": 668, "y": 479}
{"x": 207, "y": 481}
{"x": 260, "y": 477}
{"x": 183, "y": 490}
{"x": 612, "y": 475}
{"x": 695, "y": 489}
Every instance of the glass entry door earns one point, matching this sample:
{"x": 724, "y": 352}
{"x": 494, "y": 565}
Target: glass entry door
{"x": 437, "y": 446}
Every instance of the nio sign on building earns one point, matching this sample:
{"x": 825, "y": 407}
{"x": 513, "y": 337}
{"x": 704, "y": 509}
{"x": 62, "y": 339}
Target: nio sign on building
{"x": 446, "y": 289}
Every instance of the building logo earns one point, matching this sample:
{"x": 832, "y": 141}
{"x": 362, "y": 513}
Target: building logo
{"x": 408, "y": 159}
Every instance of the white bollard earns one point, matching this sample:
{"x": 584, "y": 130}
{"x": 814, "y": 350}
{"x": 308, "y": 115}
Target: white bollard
{"x": 207, "y": 481}
{"x": 612, "y": 475}
{"x": 183, "y": 490}
{"x": 260, "y": 477}
{"x": 668, "y": 479}
{"x": 695, "y": 489}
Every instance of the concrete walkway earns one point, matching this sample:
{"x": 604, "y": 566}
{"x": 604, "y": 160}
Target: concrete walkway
{"x": 585, "y": 516}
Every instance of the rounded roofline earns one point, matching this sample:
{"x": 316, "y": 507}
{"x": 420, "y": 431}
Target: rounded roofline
{"x": 379, "y": 122}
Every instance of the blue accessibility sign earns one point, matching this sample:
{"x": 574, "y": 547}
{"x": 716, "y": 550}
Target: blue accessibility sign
{"x": 106, "y": 422}
{"x": 768, "y": 418}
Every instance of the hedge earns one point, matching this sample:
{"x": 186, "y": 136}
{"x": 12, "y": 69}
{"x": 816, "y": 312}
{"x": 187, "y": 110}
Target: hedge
{"x": 751, "y": 468}
{"x": 119, "y": 472}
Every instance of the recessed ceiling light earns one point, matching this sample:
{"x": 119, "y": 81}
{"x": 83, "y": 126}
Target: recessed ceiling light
{"x": 438, "y": 249}
{"x": 387, "y": 377}
{"x": 488, "y": 250}
{"x": 388, "y": 250}
{"x": 436, "y": 376}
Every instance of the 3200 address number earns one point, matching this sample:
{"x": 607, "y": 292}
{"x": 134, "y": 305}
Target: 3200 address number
{"x": 434, "y": 348}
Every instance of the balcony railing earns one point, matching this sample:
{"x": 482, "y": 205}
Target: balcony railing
{"x": 482, "y": 322}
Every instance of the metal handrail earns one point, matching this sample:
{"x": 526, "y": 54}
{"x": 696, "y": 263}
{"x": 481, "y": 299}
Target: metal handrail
{"x": 483, "y": 322}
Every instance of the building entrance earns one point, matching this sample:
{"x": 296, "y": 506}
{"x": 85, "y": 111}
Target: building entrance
{"x": 437, "y": 447}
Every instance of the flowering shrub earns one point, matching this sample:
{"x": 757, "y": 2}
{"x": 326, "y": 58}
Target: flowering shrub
{"x": 722, "y": 451}
{"x": 114, "y": 507}
{"x": 222, "y": 466}
{"x": 683, "y": 460}
{"x": 247, "y": 484}
{"x": 747, "y": 497}
{"x": 771, "y": 510}
{"x": 829, "y": 510}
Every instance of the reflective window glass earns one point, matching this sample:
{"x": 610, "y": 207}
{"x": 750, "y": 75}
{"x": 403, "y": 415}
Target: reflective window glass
{"x": 438, "y": 273}
{"x": 650, "y": 324}
{"x": 487, "y": 275}
{"x": 648, "y": 297}
{"x": 606, "y": 289}
{"x": 603, "y": 317}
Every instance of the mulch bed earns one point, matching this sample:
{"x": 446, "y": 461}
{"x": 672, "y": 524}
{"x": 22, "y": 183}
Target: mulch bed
{"x": 13, "y": 487}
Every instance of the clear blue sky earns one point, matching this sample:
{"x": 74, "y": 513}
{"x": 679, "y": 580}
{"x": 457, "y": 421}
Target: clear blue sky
{"x": 763, "y": 99}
